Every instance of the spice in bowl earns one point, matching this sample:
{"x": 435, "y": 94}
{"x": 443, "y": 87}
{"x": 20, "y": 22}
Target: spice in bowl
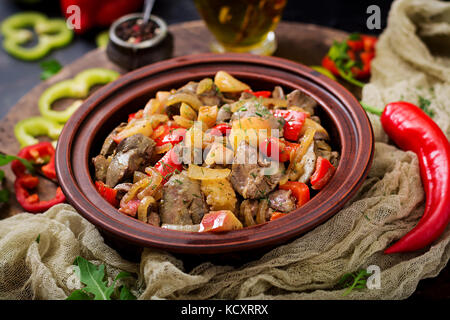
{"x": 136, "y": 31}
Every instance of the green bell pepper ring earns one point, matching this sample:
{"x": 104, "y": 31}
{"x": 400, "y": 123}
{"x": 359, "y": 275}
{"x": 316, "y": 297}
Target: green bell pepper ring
{"x": 26, "y": 130}
{"x": 51, "y": 34}
{"x": 78, "y": 87}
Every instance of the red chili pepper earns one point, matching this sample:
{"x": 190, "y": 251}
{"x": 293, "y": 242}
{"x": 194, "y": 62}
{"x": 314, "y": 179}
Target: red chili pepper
{"x": 275, "y": 215}
{"x": 322, "y": 174}
{"x": 173, "y": 134}
{"x": 25, "y": 182}
{"x": 284, "y": 149}
{"x": 294, "y": 121}
{"x": 411, "y": 129}
{"x": 299, "y": 190}
{"x": 109, "y": 194}
{"x": 98, "y": 13}
{"x": 262, "y": 94}
{"x": 222, "y": 129}
{"x": 168, "y": 165}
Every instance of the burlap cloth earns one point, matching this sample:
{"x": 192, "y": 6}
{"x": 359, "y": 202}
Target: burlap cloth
{"x": 413, "y": 58}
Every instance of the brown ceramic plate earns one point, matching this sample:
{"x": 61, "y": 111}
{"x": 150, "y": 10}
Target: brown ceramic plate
{"x": 82, "y": 137}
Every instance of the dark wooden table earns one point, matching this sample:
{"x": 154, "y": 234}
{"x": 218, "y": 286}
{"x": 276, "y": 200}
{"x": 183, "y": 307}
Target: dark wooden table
{"x": 305, "y": 43}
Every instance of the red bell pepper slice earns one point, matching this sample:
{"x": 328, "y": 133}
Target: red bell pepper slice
{"x": 172, "y": 134}
{"x": 276, "y": 215}
{"x": 299, "y": 190}
{"x": 284, "y": 149}
{"x": 168, "y": 165}
{"x": 222, "y": 129}
{"x": 294, "y": 121}
{"x": 38, "y": 154}
{"x": 262, "y": 94}
{"x": 31, "y": 202}
{"x": 42, "y": 152}
{"x": 322, "y": 174}
{"x": 109, "y": 194}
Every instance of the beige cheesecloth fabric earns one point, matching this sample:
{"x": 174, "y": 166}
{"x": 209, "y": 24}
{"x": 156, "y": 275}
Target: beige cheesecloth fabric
{"x": 411, "y": 61}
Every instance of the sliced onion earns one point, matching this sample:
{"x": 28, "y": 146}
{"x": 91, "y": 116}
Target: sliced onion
{"x": 145, "y": 203}
{"x": 188, "y": 98}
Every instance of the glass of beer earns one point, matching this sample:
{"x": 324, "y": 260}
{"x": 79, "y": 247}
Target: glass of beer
{"x": 242, "y": 25}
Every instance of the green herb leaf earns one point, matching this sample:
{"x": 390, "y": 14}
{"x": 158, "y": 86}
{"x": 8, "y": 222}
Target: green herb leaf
{"x": 49, "y": 68}
{"x": 93, "y": 279}
{"x": 424, "y": 104}
{"x": 354, "y": 280}
{"x": 38, "y": 238}
{"x": 125, "y": 294}
{"x": 2, "y": 175}
{"x": 6, "y": 158}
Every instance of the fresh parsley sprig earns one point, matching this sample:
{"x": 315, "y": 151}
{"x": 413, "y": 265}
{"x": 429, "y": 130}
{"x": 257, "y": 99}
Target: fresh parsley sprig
{"x": 353, "y": 280}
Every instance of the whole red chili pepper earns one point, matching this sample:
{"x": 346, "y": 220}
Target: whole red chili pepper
{"x": 411, "y": 129}
{"x": 38, "y": 154}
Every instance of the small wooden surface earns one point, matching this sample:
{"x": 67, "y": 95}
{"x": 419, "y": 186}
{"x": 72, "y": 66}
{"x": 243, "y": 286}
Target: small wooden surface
{"x": 304, "y": 43}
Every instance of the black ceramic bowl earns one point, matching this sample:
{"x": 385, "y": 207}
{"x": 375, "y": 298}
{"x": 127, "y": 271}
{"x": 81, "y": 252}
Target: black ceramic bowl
{"x": 134, "y": 55}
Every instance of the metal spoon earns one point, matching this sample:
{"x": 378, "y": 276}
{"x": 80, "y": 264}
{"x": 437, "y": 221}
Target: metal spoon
{"x": 147, "y": 10}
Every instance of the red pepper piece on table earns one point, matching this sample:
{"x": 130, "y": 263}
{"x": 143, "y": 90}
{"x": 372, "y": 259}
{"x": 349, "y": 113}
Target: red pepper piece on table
{"x": 26, "y": 182}
{"x": 31, "y": 203}
{"x": 322, "y": 174}
{"x": 411, "y": 129}
{"x": 299, "y": 190}
{"x": 294, "y": 121}
{"x": 284, "y": 149}
{"x": 168, "y": 165}
{"x": 39, "y": 153}
{"x": 109, "y": 194}
{"x": 262, "y": 94}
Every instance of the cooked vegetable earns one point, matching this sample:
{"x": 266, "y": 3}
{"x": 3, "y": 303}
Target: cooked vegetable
{"x": 201, "y": 173}
{"x": 227, "y": 83}
{"x": 220, "y": 221}
{"x": 208, "y": 115}
{"x": 299, "y": 189}
{"x": 219, "y": 194}
{"x": 324, "y": 172}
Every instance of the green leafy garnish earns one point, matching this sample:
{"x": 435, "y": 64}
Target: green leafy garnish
{"x": 354, "y": 36}
{"x": 4, "y": 160}
{"x": 354, "y": 280}
{"x": 338, "y": 54}
{"x": 96, "y": 288}
{"x": 49, "y": 68}
{"x": 38, "y": 238}
{"x": 424, "y": 104}
{"x": 7, "y": 158}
